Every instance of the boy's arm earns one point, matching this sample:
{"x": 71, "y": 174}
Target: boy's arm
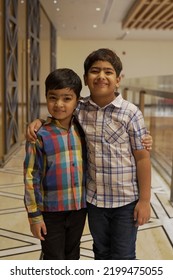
{"x": 32, "y": 128}
{"x": 142, "y": 209}
{"x": 32, "y": 177}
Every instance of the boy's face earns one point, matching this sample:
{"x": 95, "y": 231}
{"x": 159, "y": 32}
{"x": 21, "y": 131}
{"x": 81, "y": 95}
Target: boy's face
{"x": 102, "y": 81}
{"x": 61, "y": 104}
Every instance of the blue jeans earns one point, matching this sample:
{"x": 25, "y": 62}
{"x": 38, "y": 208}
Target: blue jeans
{"x": 113, "y": 231}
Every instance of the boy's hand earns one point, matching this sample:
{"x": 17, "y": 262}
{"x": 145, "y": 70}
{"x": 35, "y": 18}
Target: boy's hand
{"x": 142, "y": 213}
{"x": 32, "y": 128}
{"x": 147, "y": 141}
{"x": 38, "y": 229}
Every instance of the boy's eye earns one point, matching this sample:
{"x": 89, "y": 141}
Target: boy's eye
{"x": 67, "y": 98}
{"x": 109, "y": 72}
{"x": 52, "y": 98}
{"x": 94, "y": 71}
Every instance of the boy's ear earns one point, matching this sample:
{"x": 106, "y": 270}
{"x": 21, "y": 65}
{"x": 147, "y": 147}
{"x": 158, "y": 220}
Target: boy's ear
{"x": 85, "y": 80}
{"x": 118, "y": 81}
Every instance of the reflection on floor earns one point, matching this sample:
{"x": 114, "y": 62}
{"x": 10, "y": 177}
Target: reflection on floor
{"x": 155, "y": 239}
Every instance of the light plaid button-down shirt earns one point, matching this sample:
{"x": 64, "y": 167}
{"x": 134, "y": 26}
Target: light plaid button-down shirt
{"x": 111, "y": 133}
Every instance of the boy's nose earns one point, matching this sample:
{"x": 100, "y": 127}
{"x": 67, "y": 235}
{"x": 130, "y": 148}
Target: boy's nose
{"x": 101, "y": 74}
{"x": 59, "y": 103}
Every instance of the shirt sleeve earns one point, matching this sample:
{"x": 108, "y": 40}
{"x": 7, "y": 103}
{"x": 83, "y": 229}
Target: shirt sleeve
{"x": 33, "y": 169}
{"x": 137, "y": 129}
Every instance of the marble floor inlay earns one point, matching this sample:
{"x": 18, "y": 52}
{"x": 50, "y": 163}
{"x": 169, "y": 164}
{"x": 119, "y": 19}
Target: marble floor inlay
{"x": 155, "y": 239}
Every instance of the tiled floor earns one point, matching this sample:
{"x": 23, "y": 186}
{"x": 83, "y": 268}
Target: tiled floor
{"x": 155, "y": 239}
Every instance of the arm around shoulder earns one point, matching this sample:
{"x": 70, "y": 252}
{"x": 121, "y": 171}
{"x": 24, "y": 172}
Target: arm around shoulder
{"x": 32, "y": 128}
{"x": 147, "y": 141}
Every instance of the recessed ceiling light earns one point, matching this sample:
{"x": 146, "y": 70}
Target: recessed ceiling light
{"x": 58, "y": 9}
{"x": 94, "y": 25}
{"x": 98, "y": 9}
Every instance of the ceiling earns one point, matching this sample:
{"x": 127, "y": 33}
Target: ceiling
{"x": 114, "y": 19}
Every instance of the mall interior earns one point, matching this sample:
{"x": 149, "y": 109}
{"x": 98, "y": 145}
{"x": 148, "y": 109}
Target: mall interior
{"x": 30, "y": 47}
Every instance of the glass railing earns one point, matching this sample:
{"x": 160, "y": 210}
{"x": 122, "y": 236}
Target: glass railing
{"x": 154, "y": 96}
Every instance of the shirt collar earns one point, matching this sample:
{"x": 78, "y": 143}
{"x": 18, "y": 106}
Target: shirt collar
{"x": 116, "y": 102}
{"x": 56, "y": 122}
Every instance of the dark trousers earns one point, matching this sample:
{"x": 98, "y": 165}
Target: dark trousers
{"x": 113, "y": 231}
{"x": 64, "y": 231}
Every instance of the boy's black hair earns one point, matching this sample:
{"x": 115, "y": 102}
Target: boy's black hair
{"x": 103, "y": 55}
{"x": 63, "y": 78}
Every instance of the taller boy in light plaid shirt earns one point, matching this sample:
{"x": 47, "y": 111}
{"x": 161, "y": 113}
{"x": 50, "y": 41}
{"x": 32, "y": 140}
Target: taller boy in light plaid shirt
{"x": 119, "y": 171}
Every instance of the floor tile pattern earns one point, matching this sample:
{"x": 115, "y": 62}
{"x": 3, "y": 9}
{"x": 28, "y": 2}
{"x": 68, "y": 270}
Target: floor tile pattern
{"x": 155, "y": 239}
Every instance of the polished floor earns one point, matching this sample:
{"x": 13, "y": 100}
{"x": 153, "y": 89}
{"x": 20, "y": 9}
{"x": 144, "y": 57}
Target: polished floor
{"x": 155, "y": 239}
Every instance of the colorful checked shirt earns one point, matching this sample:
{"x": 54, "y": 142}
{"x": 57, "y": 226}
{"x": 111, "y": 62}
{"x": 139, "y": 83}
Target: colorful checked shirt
{"x": 111, "y": 133}
{"x": 54, "y": 170}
